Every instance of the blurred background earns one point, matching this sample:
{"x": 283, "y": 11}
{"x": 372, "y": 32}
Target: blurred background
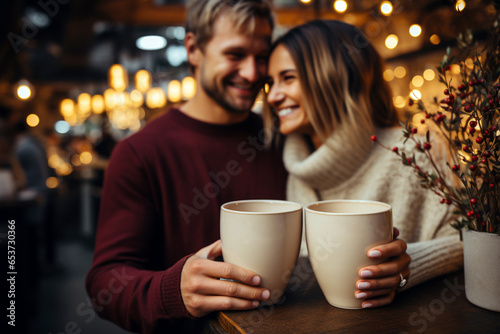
{"x": 76, "y": 76}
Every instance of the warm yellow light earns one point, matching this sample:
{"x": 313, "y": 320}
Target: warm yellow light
{"x": 75, "y": 160}
{"x": 97, "y": 104}
{"x": 52, "y": 182}
{"x": 67, "y": 107}
{"x": 155, "y": 98}
{"x": 417, "y": 81}
{"x": 460, "y": 5}
{"x": 32, "y": 120}
{"x": 399, "y": 72}
{"x": 121, "y": 99}
{"x": 84, "y": 103}
{"x": 391, "y": 41}
{"x": 415, "y": 94}
{"x": 188, "y": 88}
{"x": 64, "y": 169}
{"x": 469, "y": 63}
{"x": 455, "y": 69}
{"x": 435, "y": 39}
{"x": 388, "y": 75}
{"x": 399, "y": 101}
{"x": 136, "y": 98}
{"x": 415, "y": 30}
{"x": 429, "y": 74}
{"x": 340, "y": 6}
{"x": 109, "y": 99}
{"x": 142, "y": 81}
{"x": 174, "y": 92}
{"x": 118, "y": 78}
{"x": 86, "y": 158}
{"x": 23, "y": 92}
{"x": 386, "y": 8}
{"x": 305, "y": 1}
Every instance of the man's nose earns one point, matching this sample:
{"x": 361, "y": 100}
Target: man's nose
{"x": 250, "y": 70}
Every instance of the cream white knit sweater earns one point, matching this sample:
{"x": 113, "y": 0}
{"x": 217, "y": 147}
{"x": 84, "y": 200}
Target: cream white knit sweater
{"x": 347, "y": 169}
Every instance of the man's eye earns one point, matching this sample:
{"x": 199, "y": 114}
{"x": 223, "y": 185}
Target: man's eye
{"x": 235, "y": 55}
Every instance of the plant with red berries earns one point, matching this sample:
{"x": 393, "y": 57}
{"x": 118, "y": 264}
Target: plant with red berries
{"x": 468, "y": 120}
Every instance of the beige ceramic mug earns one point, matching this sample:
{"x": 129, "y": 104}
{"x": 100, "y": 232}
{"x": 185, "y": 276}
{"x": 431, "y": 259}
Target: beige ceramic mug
{"x": 339, "y": 234}
{"x": 263, "y": 236}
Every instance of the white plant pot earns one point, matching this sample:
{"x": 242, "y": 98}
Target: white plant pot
{"x": 482, "y": 269}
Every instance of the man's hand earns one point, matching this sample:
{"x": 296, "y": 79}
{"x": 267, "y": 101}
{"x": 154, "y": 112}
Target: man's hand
{"x": 203, "y": 292}
{"x": 378, "y": 283}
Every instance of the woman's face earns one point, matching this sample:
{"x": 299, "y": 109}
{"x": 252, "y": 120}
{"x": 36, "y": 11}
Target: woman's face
{"x": 285, "y": 95}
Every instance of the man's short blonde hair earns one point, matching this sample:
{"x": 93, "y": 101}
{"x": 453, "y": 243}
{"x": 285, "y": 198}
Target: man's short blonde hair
{"x": 202, "y": 14}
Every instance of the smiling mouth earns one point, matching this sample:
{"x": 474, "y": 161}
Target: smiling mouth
{"x": 286, "y": 111}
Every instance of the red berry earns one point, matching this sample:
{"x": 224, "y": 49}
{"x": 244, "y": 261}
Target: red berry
{"x": 427, "y": 116}
{"x": 483, "y": 161}
{"x": 470, "y": 214}
{"x": 408, "y": 160}
{"x": 448, "y": 201}
{"x": 442, "y": 201}
{"x": 422, "y": 121}
{"x": 455, "y": 167}
{"x": 410, "y": 102}
{"x": 475, "y": 157}
{"x": 466, "y": 148}
{"x": 472, "y": 131}
{"x": 486, "y": 154}
{"x": 395, "y": 149}
{"x": 483, "y": 223}
{"x": 479, "y": 140}
{"x": 473, "y": 200}
{"x": 473, "y": 124}
{"x": 461, "y": 87}
{"x": 472, "y": 167}
{"x": 374, "y": 138}
{"x": 491, "y": 102}
{"x": 492, "y": 185}
{"x": 446, "y": 92}
{"x": 482, "y": 81}
{"x": 471, "y": 83}
{"x": 427, "y": 146}
{"x": 414, "y": 130}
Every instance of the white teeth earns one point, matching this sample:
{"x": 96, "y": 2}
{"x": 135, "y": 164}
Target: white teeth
{"x": 284, "y": 112}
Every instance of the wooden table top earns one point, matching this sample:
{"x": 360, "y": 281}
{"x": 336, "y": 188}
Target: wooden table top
{"x": 436, "y": 306}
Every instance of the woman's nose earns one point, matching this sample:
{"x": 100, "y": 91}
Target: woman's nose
{"x": 275, "y": 96}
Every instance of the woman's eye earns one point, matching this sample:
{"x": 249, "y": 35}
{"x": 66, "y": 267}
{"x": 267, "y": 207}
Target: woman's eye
{"x": 289, "y": 77}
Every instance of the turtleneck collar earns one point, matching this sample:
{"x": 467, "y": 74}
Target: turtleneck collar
{"x": 333, "y": 162}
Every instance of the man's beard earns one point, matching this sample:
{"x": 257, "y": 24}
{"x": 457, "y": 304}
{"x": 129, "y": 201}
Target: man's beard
{"x": 218, "y": 95}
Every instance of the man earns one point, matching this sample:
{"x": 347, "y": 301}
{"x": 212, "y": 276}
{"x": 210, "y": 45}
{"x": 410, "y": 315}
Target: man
{"x": 153, "y": 270}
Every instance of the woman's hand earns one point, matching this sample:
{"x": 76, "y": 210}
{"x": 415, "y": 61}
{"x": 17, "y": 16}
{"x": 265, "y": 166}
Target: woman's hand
{"x": 378, "y": 283}
{"x": 203, "y": 292}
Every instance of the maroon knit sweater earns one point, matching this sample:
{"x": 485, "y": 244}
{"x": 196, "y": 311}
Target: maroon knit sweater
{"x": 161, "y": 203}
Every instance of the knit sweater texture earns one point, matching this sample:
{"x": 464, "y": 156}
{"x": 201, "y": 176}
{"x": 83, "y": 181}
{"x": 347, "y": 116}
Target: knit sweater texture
{"x": 161, "y": 203}
{"x": 347, "y": 169}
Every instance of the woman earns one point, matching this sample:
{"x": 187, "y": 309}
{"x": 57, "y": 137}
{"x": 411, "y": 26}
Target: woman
{"x": 326, "y": 87}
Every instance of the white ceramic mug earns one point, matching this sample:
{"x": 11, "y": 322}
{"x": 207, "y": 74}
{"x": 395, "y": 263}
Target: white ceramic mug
{"x": 339, "y": 234}
{"x": 263, "y": 236}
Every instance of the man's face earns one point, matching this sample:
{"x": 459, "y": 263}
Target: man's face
{"x": 233, "y": 65}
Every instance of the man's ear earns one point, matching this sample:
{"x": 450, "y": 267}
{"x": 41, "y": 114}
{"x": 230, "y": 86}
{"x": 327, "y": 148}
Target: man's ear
{"x": 192, "y": 49}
